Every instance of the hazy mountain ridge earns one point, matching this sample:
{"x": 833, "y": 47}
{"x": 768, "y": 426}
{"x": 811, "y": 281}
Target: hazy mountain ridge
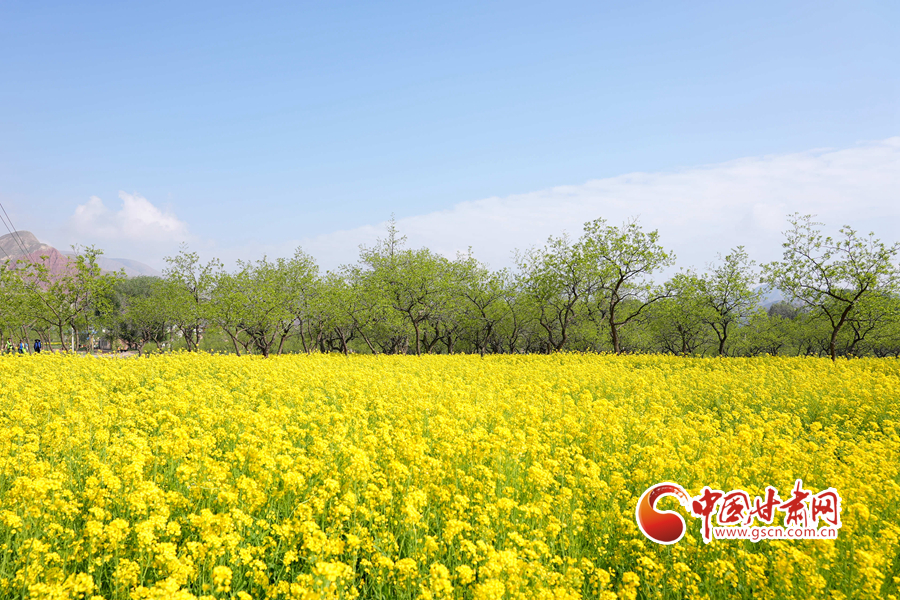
{"x": 24, "y": 244}
{"x": 132, "y": 268}
{"x": 21, "y": 244}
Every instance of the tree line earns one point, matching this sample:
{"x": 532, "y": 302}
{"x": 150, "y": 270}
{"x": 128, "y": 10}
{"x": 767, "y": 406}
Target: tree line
{"x": 594, "y": 293}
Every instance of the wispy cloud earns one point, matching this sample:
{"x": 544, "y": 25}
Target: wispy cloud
{"x": 138, "y": 220}
{"x": 698, "y": 211}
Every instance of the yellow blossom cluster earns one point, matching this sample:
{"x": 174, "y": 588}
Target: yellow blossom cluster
{"x": 194, "y": 476}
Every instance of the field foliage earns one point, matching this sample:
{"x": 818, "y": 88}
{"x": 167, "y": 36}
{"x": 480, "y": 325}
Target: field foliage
{"x": 194, "y": 475}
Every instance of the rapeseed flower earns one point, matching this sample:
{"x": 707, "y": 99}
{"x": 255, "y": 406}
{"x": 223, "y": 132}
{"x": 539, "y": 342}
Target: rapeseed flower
{"x": 193, "y": 476}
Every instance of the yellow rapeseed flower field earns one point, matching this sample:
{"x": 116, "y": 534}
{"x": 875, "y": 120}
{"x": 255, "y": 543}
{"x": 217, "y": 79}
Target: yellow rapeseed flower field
{"x": 201, "y": 476}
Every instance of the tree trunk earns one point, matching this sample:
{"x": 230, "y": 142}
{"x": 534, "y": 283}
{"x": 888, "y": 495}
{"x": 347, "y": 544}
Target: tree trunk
{"x": 836, "y": 329}
{"x": 303, "y": 339}
{"x": 343, "y": 339}
{"x": 832, "y": 346}
{"x": 613, "y": 328}
{"x": 368, "y": 343}
{"x": 187, "y": 332}
{"x": 234, "y": 343}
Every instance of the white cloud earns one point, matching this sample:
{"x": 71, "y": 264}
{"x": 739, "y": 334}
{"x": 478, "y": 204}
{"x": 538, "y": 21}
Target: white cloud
{"x": 138, "y": 220}
{"x": 698, "y": 211}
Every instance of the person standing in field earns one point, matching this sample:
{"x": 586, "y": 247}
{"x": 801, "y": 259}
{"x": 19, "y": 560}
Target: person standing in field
{"x": 37, "y": 346}
{"x": 9, "y": 346}
{"x": 22, "y": 346}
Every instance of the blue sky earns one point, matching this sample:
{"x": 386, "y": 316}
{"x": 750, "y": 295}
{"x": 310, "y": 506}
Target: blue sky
{"x": 253, "y": 129}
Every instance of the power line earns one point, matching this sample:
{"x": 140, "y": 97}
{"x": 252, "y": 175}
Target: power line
{"x": 17, "y": 239}
{"x": 7, "y": 222}
{"x": 8, "y": 257}
{"x": 12, "y": 230}
{"x": 11, "y": 234}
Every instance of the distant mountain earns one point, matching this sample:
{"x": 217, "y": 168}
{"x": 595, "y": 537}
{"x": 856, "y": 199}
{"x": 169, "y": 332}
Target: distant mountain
{"x": 21, "y": 244}
{"x": 136, "y": 267}
{"x": 770, "y": 295}
{"x": 53, "y": 259}
{"x": 24, "y": 244}
{"x": 131, "y": 267}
